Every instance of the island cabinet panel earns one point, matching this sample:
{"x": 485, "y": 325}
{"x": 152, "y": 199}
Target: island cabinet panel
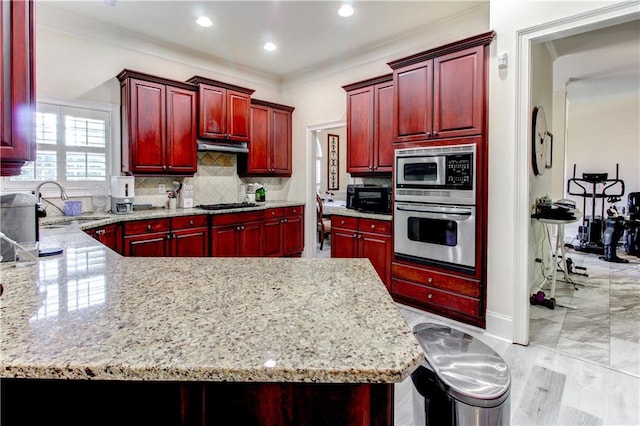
{"x": 158, "y": 125}
{"x": 441, "y": 93}
{"x": 17, "y": 91}
{"x": 223, "y": 110}
{"x": 109, "y": 235}
{"x": 450, "y": 295}
{"x": 271, "y": 144}
{"x": 370, "y": 126}
{"x": 237, "y": 235}
{"x": 359, "y": 237}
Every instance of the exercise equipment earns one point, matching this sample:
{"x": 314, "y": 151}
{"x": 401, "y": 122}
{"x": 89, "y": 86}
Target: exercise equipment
{"x": 540, "y": 299}
{"x": 596, "y": 186}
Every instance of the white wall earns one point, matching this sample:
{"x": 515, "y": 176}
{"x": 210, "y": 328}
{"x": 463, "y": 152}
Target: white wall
{"x": 508, "y": 221}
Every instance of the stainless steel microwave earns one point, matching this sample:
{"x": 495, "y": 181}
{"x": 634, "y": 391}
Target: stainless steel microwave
{"x": 436, "y": 174}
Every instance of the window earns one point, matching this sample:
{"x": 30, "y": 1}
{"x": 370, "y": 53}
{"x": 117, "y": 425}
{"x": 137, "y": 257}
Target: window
{"x": 72, "y": 147}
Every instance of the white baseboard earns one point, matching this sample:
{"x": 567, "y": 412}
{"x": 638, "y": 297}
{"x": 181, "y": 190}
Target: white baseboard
{"x": 499, "y": 326}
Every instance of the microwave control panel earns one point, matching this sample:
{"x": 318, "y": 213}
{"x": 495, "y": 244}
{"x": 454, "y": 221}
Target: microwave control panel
{"x": 459, "y": 171}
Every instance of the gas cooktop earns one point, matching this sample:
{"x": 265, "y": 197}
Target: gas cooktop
{"x": 224, "y": 206}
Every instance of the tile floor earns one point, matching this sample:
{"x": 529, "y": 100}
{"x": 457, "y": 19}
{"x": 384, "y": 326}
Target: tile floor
{"x": 605, "y": 327}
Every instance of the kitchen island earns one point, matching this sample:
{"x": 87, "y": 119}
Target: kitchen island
{"x": 90, "y": 335}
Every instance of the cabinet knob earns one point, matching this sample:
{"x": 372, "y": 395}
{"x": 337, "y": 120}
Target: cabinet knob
{"x": 148, "y": 227}
{"x": 342, "y": 222}
{"x": 355, "y": 236}
{"x": 190, "y": 222}
{"x": 242, "y": 227}
{"x": 430, "y": 280}
{"x": 164, "y": 167}
{"x": 428, "y": 134}
{"x": 286, "y": 220}
{"x": 359, "y": 236}
{"x": 430, "y": 296}
{"x": 373, "y": 226}
{"x": 435, "y": 134}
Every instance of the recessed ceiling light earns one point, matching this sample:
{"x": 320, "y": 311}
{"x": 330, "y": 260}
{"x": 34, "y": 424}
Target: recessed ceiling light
{"x": 204, "y": 21}
{"x": 270, "y": 47}
{"x": 345, "y": 11}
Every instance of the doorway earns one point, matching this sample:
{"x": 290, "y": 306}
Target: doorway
{"x": 525, "y": 41}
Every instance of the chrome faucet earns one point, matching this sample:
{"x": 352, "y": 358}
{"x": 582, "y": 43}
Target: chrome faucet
{"x": 63, "y": 193}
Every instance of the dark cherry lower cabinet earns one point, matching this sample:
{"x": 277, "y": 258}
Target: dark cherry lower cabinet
{"x": 109, "y": 235}
{"x": 359, "y": 237}
{"x": 186, "y": 236}
{"x": 190, "y": 236}
{"x": 237, "y": 235}
{"x": 17, "y": 92}
{"x": 197, "y": 403}
{"x": 283, "y": 231}
{"x": 446, "y": 293}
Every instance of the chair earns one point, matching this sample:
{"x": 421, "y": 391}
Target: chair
{"x": 323, "y": 224}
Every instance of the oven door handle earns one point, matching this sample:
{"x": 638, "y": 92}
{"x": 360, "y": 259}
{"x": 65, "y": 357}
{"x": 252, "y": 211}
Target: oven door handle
{"x": 437, "y": 213}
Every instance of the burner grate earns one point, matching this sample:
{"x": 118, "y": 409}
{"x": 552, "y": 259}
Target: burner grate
{"x": 224, "y": 206}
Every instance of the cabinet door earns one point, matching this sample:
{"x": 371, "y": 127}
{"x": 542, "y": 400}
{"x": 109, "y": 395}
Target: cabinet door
{"x": 273, "y": 237}
{"x": 238, "y": 116}
{"x": 383, "y": 130}
{"x": 413, "y": 102}
{"x": 17, "y": 91}
{"x": 458, "y": 102}
{"x": 250, "y": 239}
{"x": 259, "y": 157}
{"x": 182, "y": 154}
{"x": 224, "y": 241}
{"x": 293, "y": 235}
{"x": 190, "y": 242}
{"x": 147, "y": 245}
{"x": 212, "y": 112}
{"x": 377, "y": 248}
{"x": 280, "y": 142}
{"x": 147, "y": 113}
{"x": 110, "y": 236}
{"x": 360, "y": 130}
{"x": 344, "y": 242}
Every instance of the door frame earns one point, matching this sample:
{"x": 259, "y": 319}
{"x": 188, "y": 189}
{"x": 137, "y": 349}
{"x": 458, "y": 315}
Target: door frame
{"x": 310, "y": 212}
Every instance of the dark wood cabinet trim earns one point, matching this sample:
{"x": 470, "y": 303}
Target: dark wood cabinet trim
{"x": 369, "y": 82}
{"x": 272, "y": 105}
{"x": 479, "y": 40}
{"x": 196, "y": 79}
{"x": 126, "y": 73}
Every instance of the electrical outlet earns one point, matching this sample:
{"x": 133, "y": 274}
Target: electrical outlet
{"x": 162, "y": 188}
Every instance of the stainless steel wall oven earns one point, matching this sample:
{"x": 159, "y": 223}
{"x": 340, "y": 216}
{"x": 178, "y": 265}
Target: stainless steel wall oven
{"x": 434, "y": 210}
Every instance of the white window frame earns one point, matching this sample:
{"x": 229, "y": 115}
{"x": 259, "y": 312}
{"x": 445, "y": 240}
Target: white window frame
{"x": 112, "y": 152}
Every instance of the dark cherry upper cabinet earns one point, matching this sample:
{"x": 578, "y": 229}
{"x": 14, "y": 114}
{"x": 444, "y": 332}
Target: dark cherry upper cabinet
{"x": 270, "y": 146}
{"x": 223, "y": 110}
{"x": 441, "y": 93}
{"x": 17, "y": 91}
{"x": 370, "y": 126}
{"x": 158, "y": 125}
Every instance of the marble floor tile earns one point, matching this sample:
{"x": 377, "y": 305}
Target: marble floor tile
{"x": 625, "y": 356}
{"x": 543, "y": 395}
{"x": 571, "y": 416}
{"x": 584, "y": 349}
{"x": 544, "y": 332}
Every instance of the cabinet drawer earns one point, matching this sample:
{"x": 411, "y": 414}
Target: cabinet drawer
{"x": 293, "y": 211}
{"x": 273, "y": 213}
{"x": 344, "y": 222}
{"x": 434, "y": 279}
{"x": 233, "y": 218}
{"x": 375, "y": 226}
{"x": 146, "y": 226}
{"x": 437, "y": 298}
{"x": 186, "y": 222}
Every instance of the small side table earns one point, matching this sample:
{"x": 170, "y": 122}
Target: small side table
{"x": 559, "y": 250}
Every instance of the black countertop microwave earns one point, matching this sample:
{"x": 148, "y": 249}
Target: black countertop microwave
{"x": 369, "y": 198}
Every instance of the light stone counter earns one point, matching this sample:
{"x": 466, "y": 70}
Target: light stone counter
{"x": 93, "y": 314}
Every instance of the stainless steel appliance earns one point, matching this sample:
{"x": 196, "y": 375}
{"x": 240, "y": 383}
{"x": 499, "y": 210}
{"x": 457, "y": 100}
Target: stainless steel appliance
{"x": 369, "y": 198}
{"x": 122, "y": 194}
{"x": 441, "y": 174}
{"x": 432, "y": 233}
{"x": 434, "y": 211}
{"x": 18, "y": 221}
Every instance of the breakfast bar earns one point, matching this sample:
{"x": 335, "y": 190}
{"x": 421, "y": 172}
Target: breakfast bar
{"x": 198, "y": 340}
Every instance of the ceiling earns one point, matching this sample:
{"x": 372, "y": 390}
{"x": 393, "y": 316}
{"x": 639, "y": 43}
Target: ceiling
{"x": 309, "y": 34}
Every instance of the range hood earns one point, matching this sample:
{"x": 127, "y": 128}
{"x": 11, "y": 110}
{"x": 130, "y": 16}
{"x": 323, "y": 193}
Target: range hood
{"x": 236, "y": 147}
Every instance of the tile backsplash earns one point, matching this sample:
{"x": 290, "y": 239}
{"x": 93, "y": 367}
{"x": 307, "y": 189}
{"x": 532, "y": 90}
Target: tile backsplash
{"x": 216, "y": 181}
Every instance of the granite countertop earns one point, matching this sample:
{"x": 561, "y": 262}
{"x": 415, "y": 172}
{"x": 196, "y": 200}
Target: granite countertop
{"x": 93, "y": 314}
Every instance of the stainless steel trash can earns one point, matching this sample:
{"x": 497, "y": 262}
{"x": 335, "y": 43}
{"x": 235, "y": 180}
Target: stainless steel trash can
{"x": 462, "y": 380}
